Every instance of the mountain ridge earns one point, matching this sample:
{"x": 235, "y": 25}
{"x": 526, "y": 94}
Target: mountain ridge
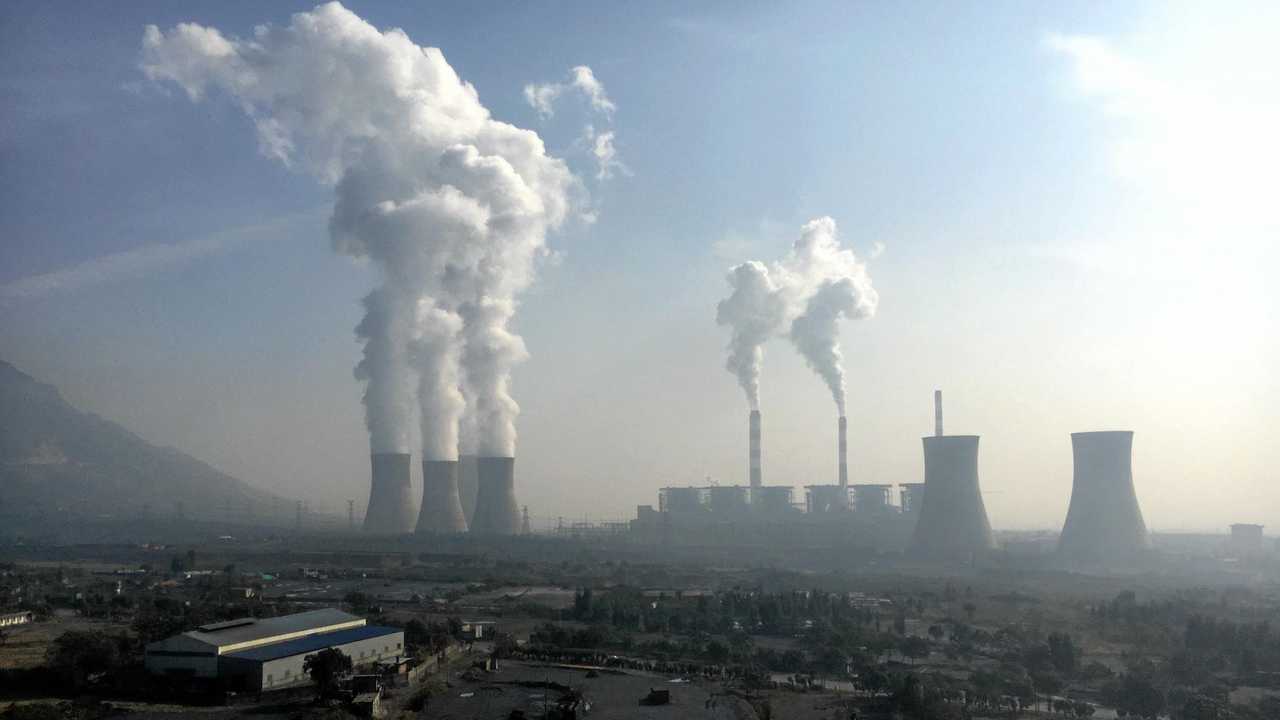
{"x": 56, "y": 459}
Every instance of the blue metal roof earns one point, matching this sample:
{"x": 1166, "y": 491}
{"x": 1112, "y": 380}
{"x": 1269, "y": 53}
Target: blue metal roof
{"x": 312, "y": 643}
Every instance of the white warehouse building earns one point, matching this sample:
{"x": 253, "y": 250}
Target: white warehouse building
{"x": 269, "y": 653}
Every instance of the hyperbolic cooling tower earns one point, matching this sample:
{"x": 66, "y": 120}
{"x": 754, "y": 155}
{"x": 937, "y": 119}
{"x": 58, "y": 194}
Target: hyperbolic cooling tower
{"x": 390, "y": 495}
{"x": 468, "y": 482}
{"x": 496, "y": 512}
{"x": 1104, "y": 521}
{"x": 753, "y": 449}
{"x": 441, "y": 508}
{"x": 842, "y": 450}
{"x": 953, "y": 520}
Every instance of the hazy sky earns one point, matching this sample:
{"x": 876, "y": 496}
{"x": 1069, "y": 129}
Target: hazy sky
{"x": 1076, "y": 202}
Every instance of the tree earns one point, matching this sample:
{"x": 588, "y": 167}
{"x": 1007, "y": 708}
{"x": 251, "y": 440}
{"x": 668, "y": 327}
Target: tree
{"x": 717, "y": 652}
{"x": 79, "y": 654}
{"x": 358, "y": 601}
{"x": 1063, "y": 653}
{"x": 969, "y": 610}
{"x": 327, "y": 668}
{"x": 914, "y": 648}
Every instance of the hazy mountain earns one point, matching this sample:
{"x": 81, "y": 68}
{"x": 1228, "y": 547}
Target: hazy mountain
{"x": 59, "y": 462}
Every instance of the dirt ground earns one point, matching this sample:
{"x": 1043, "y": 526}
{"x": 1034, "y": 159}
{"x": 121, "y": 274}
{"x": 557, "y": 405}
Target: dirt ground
{"x": 25, "y": 645}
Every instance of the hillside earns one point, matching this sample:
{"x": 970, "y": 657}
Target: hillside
{"x": 57, "y": 461}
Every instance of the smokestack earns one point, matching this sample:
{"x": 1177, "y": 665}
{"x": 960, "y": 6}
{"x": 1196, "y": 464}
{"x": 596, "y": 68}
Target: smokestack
{"x": 441, "y": 508}
{"x": 953, "y": 521}
{"x": 754, "y": 449}
{"x": 1104, "y": 521}
{"x": 937, "y": 413}
{"x": 390, "y": 495}
{"x": 496, "y": 511}
{"x": 843, "y": 450}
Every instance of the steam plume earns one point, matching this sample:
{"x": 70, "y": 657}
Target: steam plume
{"x": 753, "y": 312}
{"x": 843, "y": 291}
{"x": 808, "y": 293}
{"x": 451, "y": 205}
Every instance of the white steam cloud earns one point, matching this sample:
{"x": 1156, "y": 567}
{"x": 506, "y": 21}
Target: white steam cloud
{"x": 452, "y": 205}
{"x": 543, "y": 96}
{"x": 807, "y": 294}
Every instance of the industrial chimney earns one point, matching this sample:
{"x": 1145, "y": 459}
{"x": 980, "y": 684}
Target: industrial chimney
{"x": 753, "y": 448}
{"x": 496, "y": 511}
{"x": 390, "y": 495}
{"x": 1104, "y": 521}
{"x": 842, "y": 428}
{"x": 441, "y": 507}
{"x": 937, "y": 413}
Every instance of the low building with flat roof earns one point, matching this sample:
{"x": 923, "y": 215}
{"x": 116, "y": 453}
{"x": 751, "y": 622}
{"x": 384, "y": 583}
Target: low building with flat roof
{"x": 22, "y": 617}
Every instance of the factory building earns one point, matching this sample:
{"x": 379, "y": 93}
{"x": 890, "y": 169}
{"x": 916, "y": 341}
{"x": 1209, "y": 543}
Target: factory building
{"x": 269, "y": 654}
{"x": 1246, "y": 539}
{"x": 23, "y": 617}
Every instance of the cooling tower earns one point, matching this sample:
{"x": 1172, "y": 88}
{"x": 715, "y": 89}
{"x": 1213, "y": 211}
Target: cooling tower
{"x": 953, "y": 521}
{"x": 468, "y": 481}
{"x": 842, "y": 450}
{"x": 753, "y": 448}
{"x": 1104, "y": 522}
{"x": 390, "y": 495}
{"x": 441, "y": 508}
{"x": 496, "y": 512}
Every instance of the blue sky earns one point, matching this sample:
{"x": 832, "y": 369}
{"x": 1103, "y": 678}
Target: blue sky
{"x": 1060, "y": 253}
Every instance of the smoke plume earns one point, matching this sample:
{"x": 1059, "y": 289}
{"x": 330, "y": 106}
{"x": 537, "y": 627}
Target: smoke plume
{"x": 808, "y": 293}
{"x": 451, "y": 205}
{"x": 753, "y": 312}
{"x": 838, "y": 287}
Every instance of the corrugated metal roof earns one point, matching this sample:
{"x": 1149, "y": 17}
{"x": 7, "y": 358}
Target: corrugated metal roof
{"x": 312, "y": 643}
{"x": 284, "y": 627}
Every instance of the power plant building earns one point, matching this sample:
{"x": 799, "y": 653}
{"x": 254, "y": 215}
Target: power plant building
{"x": 869, "y": 498}
{"x": 826, "y": 498}
{"x": 1104, "y": 523}
{"x": 270, "y": 654}
{"x": 772, "y": 499}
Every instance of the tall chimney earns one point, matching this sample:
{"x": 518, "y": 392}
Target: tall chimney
{"x": 937, "y": 413}
{"x": 754, "y": 449}
{"x": 843, "y": 459}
